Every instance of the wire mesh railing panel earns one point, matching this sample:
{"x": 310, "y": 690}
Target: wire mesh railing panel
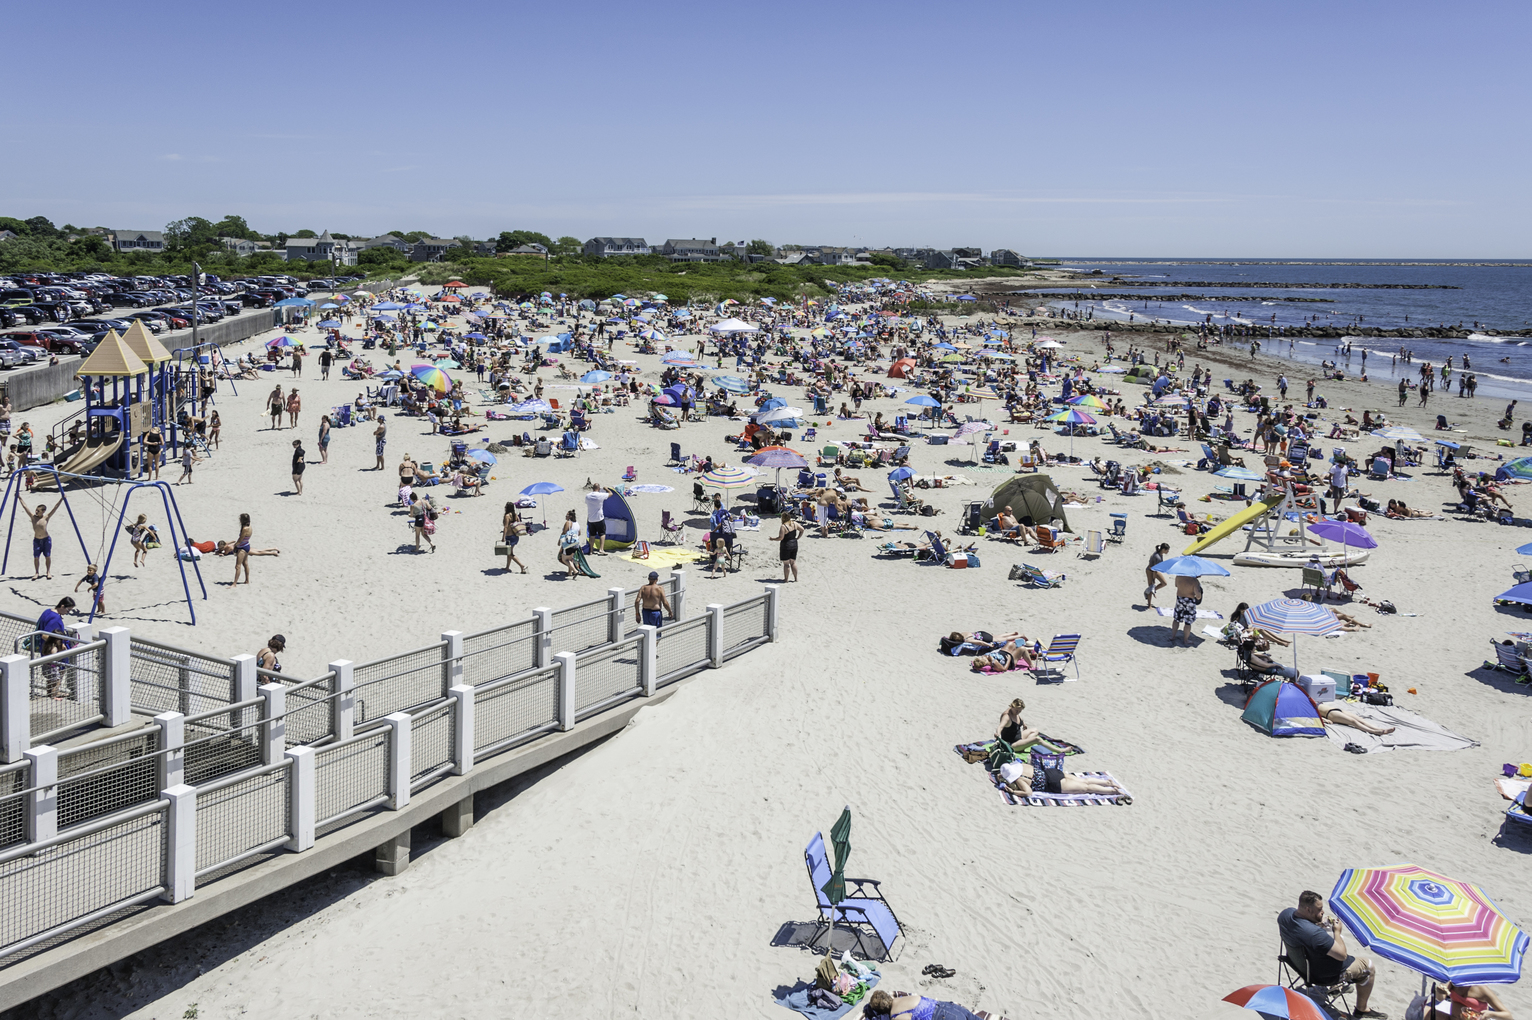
{"x": 515, "y": 708}
{"x": 165, "y": 679}
{"x": 682, "y": 649}
{"x": 581, "y": 627}
{"x": 212, "y": 754}
{"x": 111, "y": 778}
{"x": 499, "y": 653}
{"x": 606, "y": 673}
{"x": 13, "y": 804}
{"x": 744, "y": 624}
{"x": 309, "y": 717}
{"x": 399, "y": 683}
{"x": 13, "y": 627}
{"x": 431, "y": 741}
{"x": 50, "y": 888}
{"x": 350, "y": 774}
{"x": 66, "y": 690}
{"x": 236, "y": 819}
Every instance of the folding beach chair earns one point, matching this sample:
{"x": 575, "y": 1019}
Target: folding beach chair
{"x": 1167, "y": 498}
{"x": 1509, "y": 660}
{"x": 864, "y": 908}
{"x": 829, "y": 455}
{"x": 1037, "y": 578}
{"x": 1315, "y": 578}
{"x": 569, "y": 445}
{"x": 938, "y": 551}
{"x": 1049, "y": 539}
{"x": 669, "y": 527}
{"x": 630, "y": 475}
{"x": 1095, "y": 544}
{"x": 1293, "y": 972}
{"x": 1060, "y": 650}
{"x": 1119, "y": 528}
{"x": 675, "y": 454}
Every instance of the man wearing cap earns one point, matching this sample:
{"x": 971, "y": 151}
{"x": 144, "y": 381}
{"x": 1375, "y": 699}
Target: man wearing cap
{"x": 651, "y": 606}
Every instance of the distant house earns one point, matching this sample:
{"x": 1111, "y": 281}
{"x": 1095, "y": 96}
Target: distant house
{"x": 607, "y": 247}
{"x": 431, "y": 249}
{"x": 323, "y": 248}
{"x": 942, "y": 260}
{"x": 138, "y": 240}
{"x": 485, "y": 248}
{"x": 691, "y": 249}
{"x": 831, "y": 256}
{"x": 534, "y": 249}
{"x": 792, "y": 258}
{"x": 391, "y": 240}
{"x": 6, "y": 235}
{"x": 1006, "y": 257}
{"x": 240, "y": 246}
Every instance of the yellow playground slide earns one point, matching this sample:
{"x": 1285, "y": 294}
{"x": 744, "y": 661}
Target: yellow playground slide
{"x": 1226, "y": 528}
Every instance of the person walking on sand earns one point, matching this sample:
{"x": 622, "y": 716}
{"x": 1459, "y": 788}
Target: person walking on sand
{"x": 324, "y": 440}
{"x": 294, "y": 405}
{"x": 1188, "y": 598}
{"x": 188, "y": 458}
{"x": 651, "y": 605}
{"x": 380, "y": 440}
{"x": 276, "y": 405}
{"x": 42, "y": 542}
{"x": 1155, "y": 578}
{"x": 325, "y": 359}
{"x": 298, "y": 465}
{"x": 787, "y": 549}
{"x": 214, "y": 426}
{"x": 242, "y": 548}
{"x": 297, "y": 362}
{"x": 422, "y": 520}
{"x": 510, "y": 534}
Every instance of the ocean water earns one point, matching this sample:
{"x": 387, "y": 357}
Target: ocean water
{"x": 1475, "y": 295}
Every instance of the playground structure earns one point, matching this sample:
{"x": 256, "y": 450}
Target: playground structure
{"x": 180, "y": 543}
{"x": 1278, "y": 536}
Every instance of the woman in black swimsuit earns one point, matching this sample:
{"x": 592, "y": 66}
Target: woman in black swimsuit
{"x": 787, "y": 551}
{"x": 1012, "y": 729}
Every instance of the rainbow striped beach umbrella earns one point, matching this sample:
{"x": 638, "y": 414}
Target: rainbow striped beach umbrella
{"x": 1089, "y": 400}
{"x": 1440, "y": 927}
{"x": 433, "y": 377}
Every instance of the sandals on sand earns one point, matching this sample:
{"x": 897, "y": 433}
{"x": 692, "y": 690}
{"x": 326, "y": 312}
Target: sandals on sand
{"x": 936, "y": 970}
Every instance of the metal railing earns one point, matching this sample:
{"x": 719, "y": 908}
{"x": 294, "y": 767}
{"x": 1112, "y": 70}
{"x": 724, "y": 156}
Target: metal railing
{"x": 152, "y": 813}
{"x": 584, "y": 626}
{"x": 169, "y": 679}
{"x": 66, "y": 691}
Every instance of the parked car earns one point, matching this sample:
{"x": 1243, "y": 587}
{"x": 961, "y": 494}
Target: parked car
{"x": 26, "y": 352}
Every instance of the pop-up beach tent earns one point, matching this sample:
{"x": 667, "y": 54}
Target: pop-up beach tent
{"x": 1033, "y": 498}
{"x": 1280, "y": 708}
{"x": 621, "y": 524}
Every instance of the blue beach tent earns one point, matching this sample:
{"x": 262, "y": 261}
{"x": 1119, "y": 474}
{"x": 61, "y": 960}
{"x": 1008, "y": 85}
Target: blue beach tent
{"x": 1280, "y": 708}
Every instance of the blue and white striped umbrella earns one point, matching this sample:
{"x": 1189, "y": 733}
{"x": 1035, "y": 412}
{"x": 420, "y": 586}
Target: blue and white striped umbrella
{"x": 1292, "y": 616}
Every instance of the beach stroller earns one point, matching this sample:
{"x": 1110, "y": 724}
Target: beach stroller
{"x": 973, "y": 517}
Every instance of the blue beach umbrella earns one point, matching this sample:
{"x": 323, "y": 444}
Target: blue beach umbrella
{"x": 387, "y": 306}
{"x": 596, "y": 376}
{"x": 483, "y": 456}
{"x": 731, "y": 384}
{"x": 922, "y": 400}
{"x": 1190, "y": 566}
{"x": 1239, "y": 474}
{"x": 899, "y": 474}
{"x": 542, "y": 489}
{"x": 1522, "y": 594}
{"x": 1519, "y": 468}
{"x": 329, "y": 324}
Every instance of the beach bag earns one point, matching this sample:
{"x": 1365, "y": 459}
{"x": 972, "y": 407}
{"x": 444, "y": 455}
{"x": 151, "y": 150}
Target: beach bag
{"x": 641, "y": 551}
{"x": 826, "y": 973}
{"x": 1387, "y": 607}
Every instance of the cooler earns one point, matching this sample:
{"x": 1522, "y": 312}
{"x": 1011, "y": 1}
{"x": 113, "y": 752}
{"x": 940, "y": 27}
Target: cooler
{"x": 1320, "y": 688}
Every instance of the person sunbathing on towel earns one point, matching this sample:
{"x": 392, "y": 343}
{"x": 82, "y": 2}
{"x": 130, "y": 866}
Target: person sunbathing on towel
{"x": 1336, "y": 714}
{"x": 1020, "y": 777}
{"x": 1002, "y": 658}
{"x": 1397, "y": 508}
{"x": 222, "y": 548}
{"x": 850, "y": 483}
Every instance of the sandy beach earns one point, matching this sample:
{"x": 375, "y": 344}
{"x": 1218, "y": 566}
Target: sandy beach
{"x": 661, "y": 873}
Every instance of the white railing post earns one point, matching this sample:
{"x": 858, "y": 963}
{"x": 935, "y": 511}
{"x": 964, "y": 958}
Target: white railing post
{"x": 180, "y": 843}
{"x": 715, "y": 635}
{"x": 617, "y": 599}
{"x": 678, "y": 599}
{"x": 647, "y": 661}
{"x": 398, "y": 760}
{"x": 15, "y": 707}
{"x": 84, "y": 634}
{"x": 542, "y": 626}
{"x": 772, "y": 594}
{"x": 244, "y": 686}
{"x": 172, "y": 770}
{"x": 273, "y": 723}
{"x": 43, "y": 803}
{"x": 116, "y": 686}
{"x": 566, "y": 663}
{"x": 452, "y": 660}
{"x": 302, "y": 799}
{"x": 343, "y": 702}
{"x": 462, "y": 730}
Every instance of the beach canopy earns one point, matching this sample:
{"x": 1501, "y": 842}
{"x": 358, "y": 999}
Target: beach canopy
{"x": 1399, "y": 433}
{"x": 1443, "y": 928}
{"x": 1033, "y": 498}
{"x": 1280, "y": 708}
{"x": 293, "y": 302}
{"x": 901, "y": 368}
{"x": 1344, "y": 532}
{"x": 730, "y": 326}
{"x": 1239, "y": 474}
{"x": 1522, "y": 593}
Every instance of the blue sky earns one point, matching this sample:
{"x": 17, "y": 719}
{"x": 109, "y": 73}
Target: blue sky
{"x": 1184, "y": 129}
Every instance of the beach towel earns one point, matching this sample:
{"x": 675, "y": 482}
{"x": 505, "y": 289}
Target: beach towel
{"x": 1411, "y": 732}
{"x": 665, "y": 557}
{"x": 1202, "y": 614}
{"x": 796, "y": 998}
{"x": 1510, "y": 789}
{"x": 1053, "y": 744}
{"x": 1062, "y": 799}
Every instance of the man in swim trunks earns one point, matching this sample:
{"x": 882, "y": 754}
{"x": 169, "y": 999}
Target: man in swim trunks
{"x": 380, "y": 440}
{"x": 42, "y": 542}
{"x": 1323, "y": 946}
{"x": 1188, "y": 596}
{"x": 651, "y": 605}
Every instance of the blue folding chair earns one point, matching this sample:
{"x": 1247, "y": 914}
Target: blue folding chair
{"x": 864, "y": 908}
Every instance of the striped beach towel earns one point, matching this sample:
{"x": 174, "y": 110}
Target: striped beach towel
{"x": 982, "y": 1014}
{"x": 1061, "y": 799}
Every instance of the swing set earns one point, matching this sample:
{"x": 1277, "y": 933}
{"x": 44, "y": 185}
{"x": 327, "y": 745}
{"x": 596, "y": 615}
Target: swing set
{"x": 15, "y": 490}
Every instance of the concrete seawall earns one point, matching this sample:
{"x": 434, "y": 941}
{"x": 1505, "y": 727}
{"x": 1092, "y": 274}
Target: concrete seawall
{"x": 43, "y": 384}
